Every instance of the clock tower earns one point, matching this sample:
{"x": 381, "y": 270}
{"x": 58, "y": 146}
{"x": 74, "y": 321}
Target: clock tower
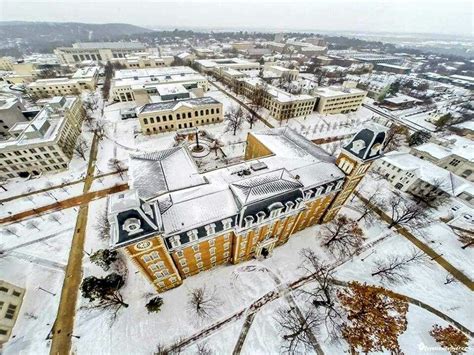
{"x": 354, "y": 160}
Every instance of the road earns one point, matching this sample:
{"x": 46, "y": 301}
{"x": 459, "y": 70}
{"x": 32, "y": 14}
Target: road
{"x": 64, "y": 325}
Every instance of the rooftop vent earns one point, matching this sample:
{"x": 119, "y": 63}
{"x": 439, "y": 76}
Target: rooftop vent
{"x": 258, "y": 166}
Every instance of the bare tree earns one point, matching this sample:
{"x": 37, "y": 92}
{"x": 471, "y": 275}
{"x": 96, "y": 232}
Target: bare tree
{"x": 117, "y": 166}
{"x": 216, "y": 145}
{"x": 465, "y": 237}
{"x": 81, "y": 148}
{"x": 342, "y": 236}
{"x": 251, "y": 116}
{"x": 10, "y": 230}
{"x": 32, "y": 224}
{"x": 432, "y": 196}
{"x": 406, "y": 213}
{"x": 322, "y": 294}
{"x": 297, "y": 329}
{"x": 366, "y": 207}
{"x": 234, "y": 118}
{"x": 203, "y": 302}
{"x": 258, "y": 95}
{"x": 395, "y": 268}
{"x": 102, "y": 225}
{"x": 203, "y": 349}
{"x": 91, "y": 104}
{"x": 397, "y": 135}
{"x": 53, "y": 217}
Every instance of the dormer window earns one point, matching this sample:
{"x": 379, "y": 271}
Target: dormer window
{"x": 339, "y": 184}
{"x": 248, "y": 221}
{"x": 210, "y": 228}
{"x": 175, "y": 241}
{"x": 275, "y": 209}
{"x": 193, "y": 235}
{"x": 319, "y": 191}
{"x": 357, "y": 146}
{"x": 289, "y": 206}
{"x": 308, "y": 194}
{"x": 132, "y": 226}
{"x": 227, "y": 223}
{"x": 299, "y": 202}
{"x": 260, "y": 216}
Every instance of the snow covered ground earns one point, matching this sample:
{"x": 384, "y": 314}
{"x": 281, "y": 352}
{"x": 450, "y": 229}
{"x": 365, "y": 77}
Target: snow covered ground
{"x": 135, "y": 331}
{"x": 35, "y": 259}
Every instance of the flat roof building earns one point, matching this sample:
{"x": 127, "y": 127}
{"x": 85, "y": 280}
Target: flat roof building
{"x": 281, "y": 104}
{"x": 128, "y": 81}
{"x": 180, "y": 114}
{"x": 11, "y": 298}
{"x": 338, "y": 99}
{"x": 44, "y": 144}
{"x": 83, "y": 79}
{"x": 97, "y": 51}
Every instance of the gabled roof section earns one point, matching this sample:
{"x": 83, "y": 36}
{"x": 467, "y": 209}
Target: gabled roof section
{"x": 286, "y": 143}
{"x": 263, "y": 186}
{"x": 155, "y": 173}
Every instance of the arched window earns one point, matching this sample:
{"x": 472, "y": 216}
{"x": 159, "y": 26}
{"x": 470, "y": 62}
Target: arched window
{"x": 152, "y": 120}
{"x": 212, "y": 111}
{"x": 170, "y": 117}
{"x": 145, "y": 121}
{"x": 207, "y": 111}
{"x": 158, "y": 119}
{"x": 178, "y": 116}
{"x": 189, "y": 114}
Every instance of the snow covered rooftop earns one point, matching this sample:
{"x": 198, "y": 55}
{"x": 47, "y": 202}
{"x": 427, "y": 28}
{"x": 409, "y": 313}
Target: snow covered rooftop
{"x": 453, "y": 145}
{"x": 174, "y": 105}
{"x": 109, "y": 45}
{"x": 429, "y": 172}
{"x": 187, "y": 199}
{"x": 336, "y": 91}
{"x": 158, "y": 172}
{"x": 263, "y": 186}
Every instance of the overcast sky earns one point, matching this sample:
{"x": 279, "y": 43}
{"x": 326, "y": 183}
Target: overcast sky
{"x": 420, "y": 16}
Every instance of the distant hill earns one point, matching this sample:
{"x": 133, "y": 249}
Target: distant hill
{"x": 19, "y": 37}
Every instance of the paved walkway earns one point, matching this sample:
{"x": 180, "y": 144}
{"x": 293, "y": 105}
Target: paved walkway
{"x": 437, "y": 258}
{"x": 64, "y": 325}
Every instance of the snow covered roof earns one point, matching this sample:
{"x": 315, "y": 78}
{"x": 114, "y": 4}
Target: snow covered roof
{"x": 429, "y": 172}
{"x": 109, "y": 45}
{"x": 453, "y": 145}
{"x": 158, "y": 172}
{"x": 262, "y": 186}
{"x": 174, "y": 105}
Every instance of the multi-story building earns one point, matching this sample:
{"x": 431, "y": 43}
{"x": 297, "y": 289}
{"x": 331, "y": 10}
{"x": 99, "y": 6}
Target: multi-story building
{"x": 11, "y": 112}
{"x": 44, "y": 144}
{"x": 97, "y": 51}
{"x": 172, "y": 115}
{"x": 281, "y": 104}
{"x": 127, "y": 81}
{"x": 453, "y": 153}
{"x": 175, "y": 222}
{"x": 83, "y": 79}
{"x": 214, "y": 65}
{"x": 420, "y": 177}
{"x": 145, "y": 60}
{"x": 337, "y": 99}
{"x": 11, "y": 297}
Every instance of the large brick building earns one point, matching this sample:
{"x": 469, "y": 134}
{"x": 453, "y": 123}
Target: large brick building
{"x": 176, "y": 222}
